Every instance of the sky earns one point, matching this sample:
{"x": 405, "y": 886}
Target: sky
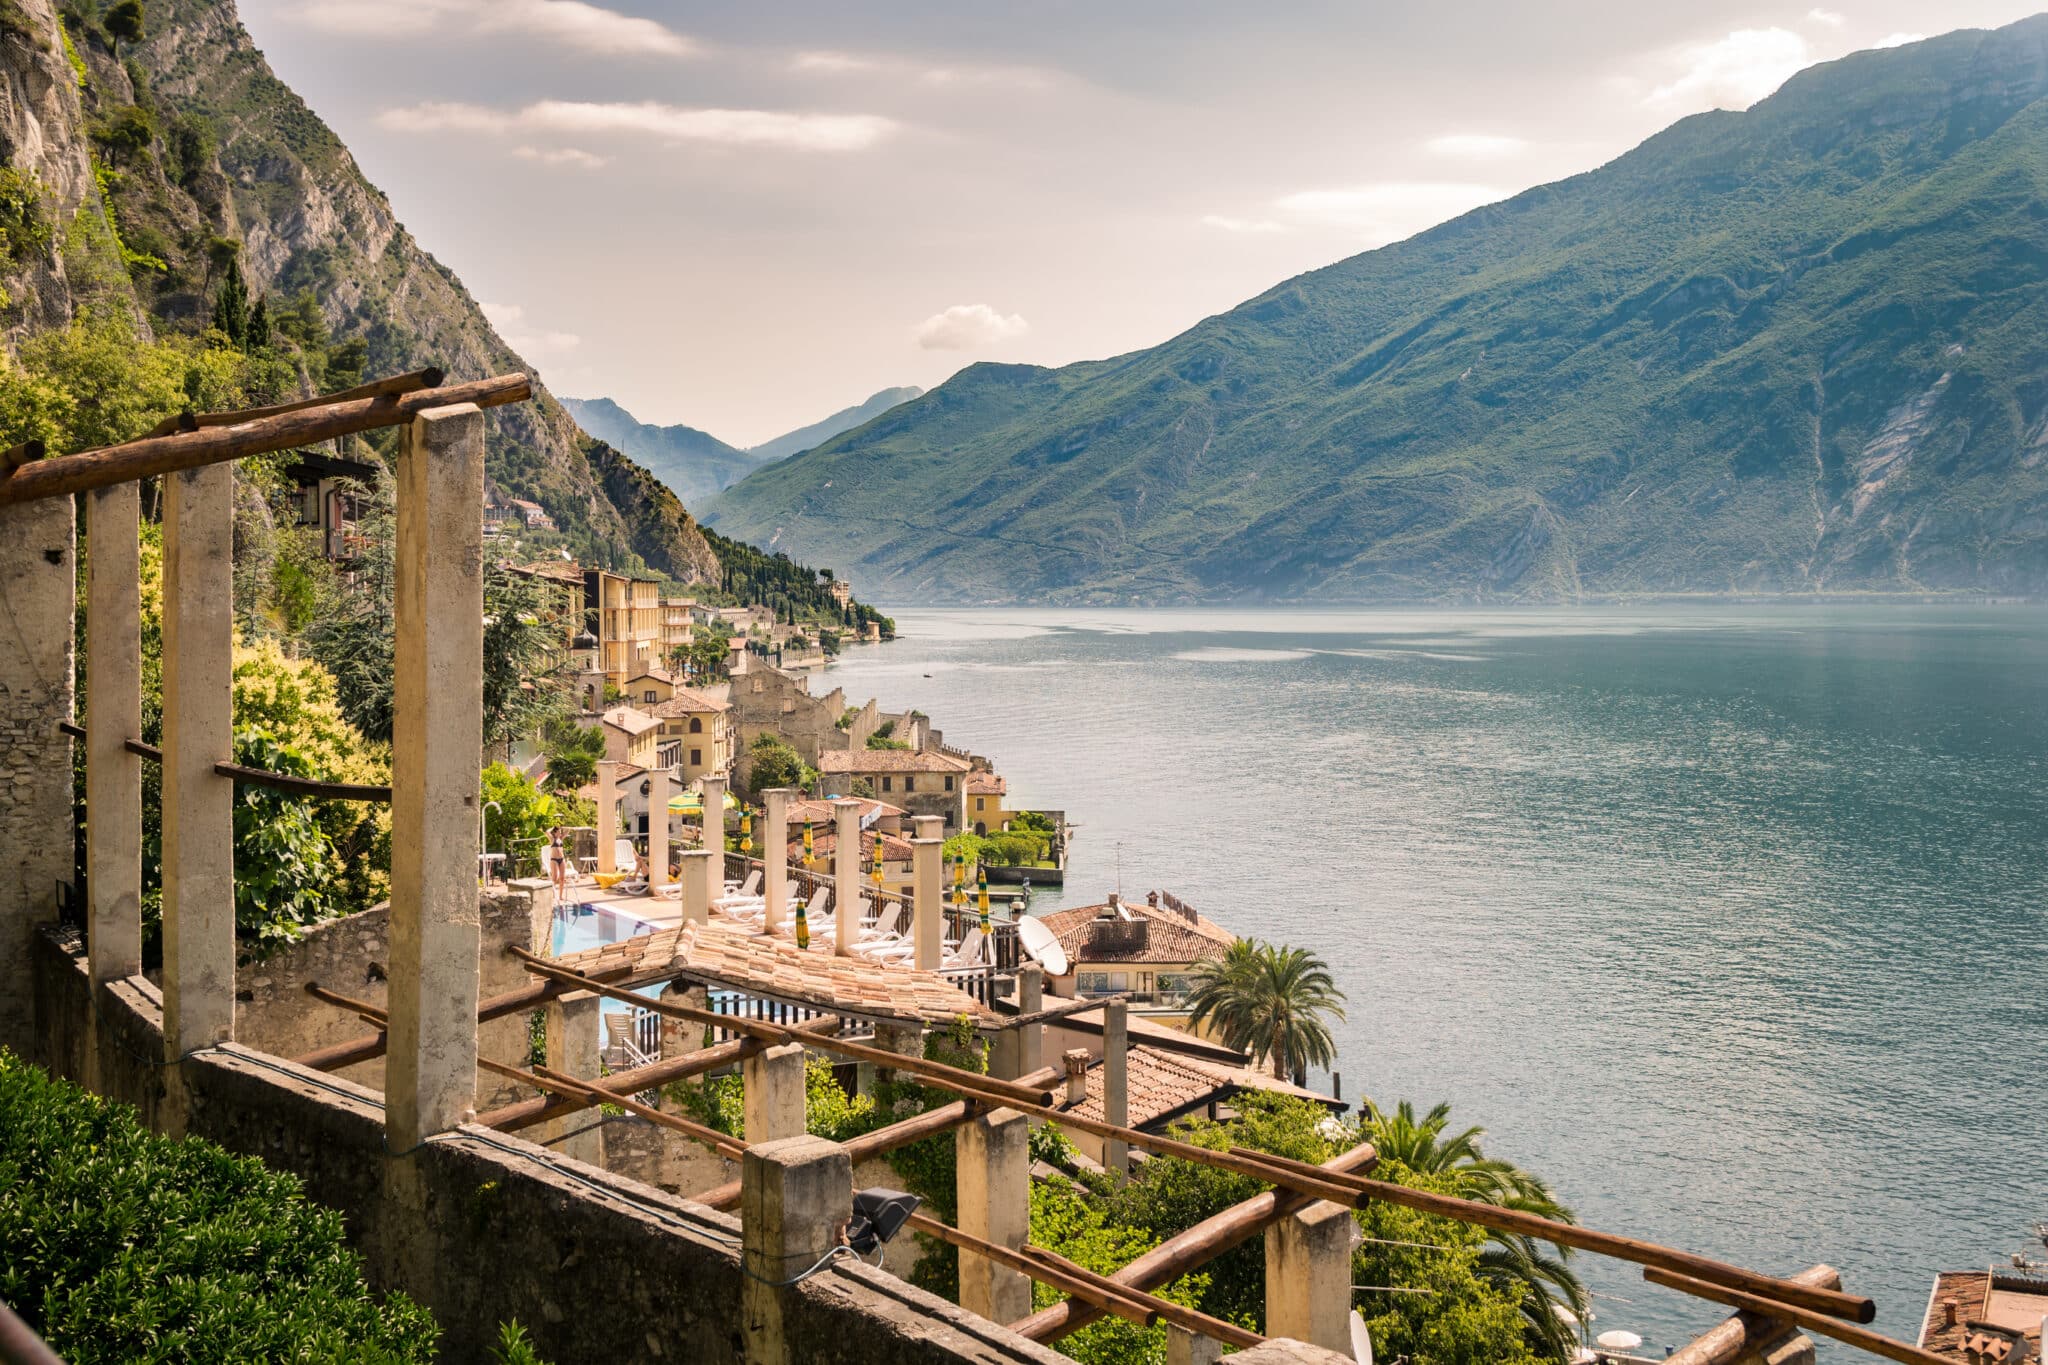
{"x": 744, "y": 216}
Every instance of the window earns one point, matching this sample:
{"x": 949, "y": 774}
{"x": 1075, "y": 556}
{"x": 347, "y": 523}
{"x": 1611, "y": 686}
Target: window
{"x": 696, "y": 757}
{"x": 909, "y": 783}
{"x": 696, "y": 726}
{"x": 949, "y": 784}
{"x": 648, "y": 695}
{"x": 885, "y": 783}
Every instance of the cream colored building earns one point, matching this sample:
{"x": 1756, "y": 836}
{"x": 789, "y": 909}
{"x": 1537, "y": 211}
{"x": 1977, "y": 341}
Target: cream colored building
{"x": 699, "y": 725}
{"x": 628, "y": 614}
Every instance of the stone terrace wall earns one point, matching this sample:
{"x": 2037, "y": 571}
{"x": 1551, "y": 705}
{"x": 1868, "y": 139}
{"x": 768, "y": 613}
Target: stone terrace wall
{"x": 483, "y": 1227}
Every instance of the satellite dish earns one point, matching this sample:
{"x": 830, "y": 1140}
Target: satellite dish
{"x": 1045, "y": 950}
{"x": 1361, "y": 1340}
{"x": 1618, "y": 1340}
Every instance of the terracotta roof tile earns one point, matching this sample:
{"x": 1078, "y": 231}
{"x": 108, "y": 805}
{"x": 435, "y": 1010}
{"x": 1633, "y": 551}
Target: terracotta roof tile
{"x": 631, "y": 721}
{"x": 683, "y": 702}
{"x": 888, "y": 761}
{"x": 986, "y": 783}
{"x": 1162, "y": 1085}
{"x": 1168, "y": 936}
{"x": 1991, "y": 1308}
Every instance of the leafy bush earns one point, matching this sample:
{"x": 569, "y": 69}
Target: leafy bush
{"x": 772, "y": 763}
{"x": 881, "y": 741}
{"x": 123, "y": 1246}
{"x": 521, "y": 818}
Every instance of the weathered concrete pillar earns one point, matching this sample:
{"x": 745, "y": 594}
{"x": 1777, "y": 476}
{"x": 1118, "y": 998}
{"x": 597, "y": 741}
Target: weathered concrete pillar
{"x": 574, "y": 1049}
{"x": 1308, "y": 1275}
{"x": 775, "y": 857}
{"x": 905, "y": 1040}
{"x": 1016, "y": 1051}
{"x": 1076, "y": 1060}
{"x": 680, "y": 1037}
{"x": 1184, "y": 1347}
{"x": 38, "y": 591}
{"x": 714, "y": 820}
{"x": 774, "y": 1101}
{"x": 198, "y": 803}
{"x": 1282, "y": 1351}
{"x": 113, "y": 716}
{"x": 795, "y": 1196}
{"x": 846, "y": 889}
{"x": 657, "y": 829}
{"x": 700, "y": 876}
{"x": 992, "y": 1164}
{"x": 607, "y": 816}
{"x": 1116, "y": 1045}
{"x": 437, "y": 732}
{"x": 927, "y": 881}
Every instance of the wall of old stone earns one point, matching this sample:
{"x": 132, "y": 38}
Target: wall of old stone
{"x": 483, "y": 1227}
{"x": 38, "y": 576}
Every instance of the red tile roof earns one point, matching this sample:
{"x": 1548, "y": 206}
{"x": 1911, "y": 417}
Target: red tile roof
{"x": 1168, "y": 936}
{"x": 888, "y": 761}
{"x": 823, "y": 842}
{"x": 986, "y": 783}
{"x": 1994, "y": 1310}
{"x": 1161, "y": 1086}
{"x": 683, "y": 702}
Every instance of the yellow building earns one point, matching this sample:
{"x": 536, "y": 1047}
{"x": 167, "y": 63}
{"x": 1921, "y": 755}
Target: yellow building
{"x": 632, "y": 736}
{"x": 678, "y": 631}
{"x": 699, "y": 724}
{"x": 985, "y": 794}
{"x": 628, "y": 621}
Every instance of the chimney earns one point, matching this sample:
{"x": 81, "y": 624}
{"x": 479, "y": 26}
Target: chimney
{"x": 1948, "y": 1312}
{"x": 1077, "y": 1074}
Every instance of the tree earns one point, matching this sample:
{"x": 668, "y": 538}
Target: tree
{"x": 523, "y": 659}
{"x": 231, "y": 304}
{"x": 772, "y": 763}
{"x": 1270, "y": 1001}
{"x": 124, "y": 22}
{"x": 574, "y": 752}
{"x": 259, "y": 323}
{"x": 517, "y": 816}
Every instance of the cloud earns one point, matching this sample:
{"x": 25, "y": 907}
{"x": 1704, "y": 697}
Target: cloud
{"x": 562, "y": 156}
{"x": 570, "y": 23}
{"x": 726, "y": 127}
{"x": 1732, "y": 72}
{"x": 1826, "y": 16}
{"x": 1899, "y": 39}
{"x": 965, "y": 326}
{"x": 1227, "y": 224}
{"x": 1388, "y": 211}
{"x": 830, "y": 62}
{"x": 510, "y": 321}
{"x": 1477, "y": 146}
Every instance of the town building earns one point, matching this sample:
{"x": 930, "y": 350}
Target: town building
{"x": 767, "y": 700}
{"x": 627, "y": 622}
{"x": 326, "y": 505}
{"x": 842, "y": 592}
{"x": 1146, "y": 951}
{"x": 931, "y": 783}
{"x": 698, "y": 724}
{"x": 1987, "y": 1317}
{"x": 985, "y": 792}
{"x": 678, "y": 630}
{"x": 559, "y": 585}
{"x": 632, "y": 736}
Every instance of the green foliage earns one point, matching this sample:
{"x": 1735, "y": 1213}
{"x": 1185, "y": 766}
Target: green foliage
{"x": 796, "y": 593}
{"x": 231, "y": 304}
{"x": 25, "y": 233}
{"x": 519, "y": 822}
{"x": 514, "y": 1346}
{"x": 1072, "y": 1225}
{"x": 881, "y": 741}
{"x": 524, "y": 664}
{"x": 574, "y": 752}
{"x": 125, "y": 132}
{"x": 97, "y": 382}
{"x": 77, "y": 62}
{"x": 1661, "y": 375}
{"x": 124, "y": 23}
{"x": 1032, "y": 822}
{"x": 771, "y": 763}
{"x": 967, "y": 847}
{"x": 123, "y": 1246}
{"x": 1271, "y": 1002}
{"x": 259, "y": 323}
{"x": 284, "y": 863}
{"x": 1015, "y": 849}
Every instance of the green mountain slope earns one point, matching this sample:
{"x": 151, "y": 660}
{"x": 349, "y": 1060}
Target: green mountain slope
{"x": 846, "y": 419}
{"x": 198, "y": 152}
{"x": 1803, "y": 347}
{"x": 695, "y": 464}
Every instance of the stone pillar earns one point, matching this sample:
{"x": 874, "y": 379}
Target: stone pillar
{"x": 437, "y": 732}
{"x": 775, "y": 857}
{"x": 992, "y": 1161}
{"x": 773, "y": 1104}
{"x": 1077, "y": 1074}
{"x": 1281, "y": 1351}
{"x": 905, "y": 1040}
{"x": 574, "y": 1049}
{"x": 38, "y": 590}
{"x": 113, "y": 715}
{"x": 680, "y": 1037}
{"x": 795, "y": 1196}
{"x": 1015, "y": 1051}
{"x": 657, "y": 830}
{"x": 607, "y": 816}
{"x": 1308, "y": 1276}
{"x": 846, "y": 896}
{"x": 927, "y": 881}
{"x": 1116, "y": 1044}
{"x": 714, "y": 821}
{"x": 699, "y": 877}
{"x": 1184, "y": 1347}
{"x": 198, "y": 803}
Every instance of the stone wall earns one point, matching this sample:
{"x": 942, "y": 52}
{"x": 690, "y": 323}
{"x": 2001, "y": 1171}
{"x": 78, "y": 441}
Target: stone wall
{"x": 483, "y": 1227}
{"x": 38, "y": 576}
{"x": 765, "y": 701}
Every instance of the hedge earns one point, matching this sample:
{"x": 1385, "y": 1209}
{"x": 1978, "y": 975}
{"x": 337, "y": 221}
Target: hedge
{"x": 124, "y": 1246}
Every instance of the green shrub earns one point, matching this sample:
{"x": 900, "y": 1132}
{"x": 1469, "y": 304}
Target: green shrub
{"x": 124, "y": 1246}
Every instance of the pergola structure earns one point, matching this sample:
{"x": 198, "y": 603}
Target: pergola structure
{"x": 794, "y": 1192}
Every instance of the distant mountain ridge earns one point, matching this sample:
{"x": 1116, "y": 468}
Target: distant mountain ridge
{"x": 697, "y": 464}
{"x": 1802, "y": 348}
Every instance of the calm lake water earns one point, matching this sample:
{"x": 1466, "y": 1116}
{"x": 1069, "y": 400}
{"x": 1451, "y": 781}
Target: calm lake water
{"x": 1729, "y": 921}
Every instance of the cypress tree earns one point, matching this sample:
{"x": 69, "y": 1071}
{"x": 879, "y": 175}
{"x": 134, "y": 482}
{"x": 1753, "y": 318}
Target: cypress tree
{"x": 231, "y": 305}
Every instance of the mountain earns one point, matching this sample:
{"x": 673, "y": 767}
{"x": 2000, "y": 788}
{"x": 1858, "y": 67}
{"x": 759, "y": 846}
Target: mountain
{"x": 694, "y": 463}
{"x": 1799, "y": 348}
{"x": 846, "y": 419}
{"x": 187, "y": 153}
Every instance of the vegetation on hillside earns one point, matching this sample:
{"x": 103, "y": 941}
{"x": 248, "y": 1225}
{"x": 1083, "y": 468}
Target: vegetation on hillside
{"x": 794, "y": 592}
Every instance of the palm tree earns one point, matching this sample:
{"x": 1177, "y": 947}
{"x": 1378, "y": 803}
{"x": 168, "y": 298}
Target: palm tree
{"x": 1532, "y": 1272}
{"x": 1269, "y": 1001}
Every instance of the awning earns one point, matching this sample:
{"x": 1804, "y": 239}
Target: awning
{"x": 692, "y": 803}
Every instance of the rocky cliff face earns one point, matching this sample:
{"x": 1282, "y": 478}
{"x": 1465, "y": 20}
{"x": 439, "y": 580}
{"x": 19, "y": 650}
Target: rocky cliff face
{"x": 204, "y": 153}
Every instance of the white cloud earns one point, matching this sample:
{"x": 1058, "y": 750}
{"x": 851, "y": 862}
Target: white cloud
{"x": 1228, "y": 224}
{"x": 965, "y": 326}
{"x": 1389, "y": 211}
{"x": 570, "y": 23}
{"x": 562, "y": 156}
{"x": 1826, "y": 16}
{"x": 1477, "y": 146}
{"x": 510, "y": 321}
{"x": 1732, "y": 72}
{"x": 831, "y": 61}
{"x": 1899, "y": 39}
{"x": 828, "y": 62}
{"x": 727, "y": 127}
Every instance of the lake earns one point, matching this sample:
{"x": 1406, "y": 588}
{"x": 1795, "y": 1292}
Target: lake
{"x": 1727, "y": 920}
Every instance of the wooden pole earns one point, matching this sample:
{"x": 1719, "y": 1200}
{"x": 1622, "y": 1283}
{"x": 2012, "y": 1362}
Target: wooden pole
{"x": 1745, "y": 1333}
{"x": 1810, "y": 1319}
{"x": 393, "y": 386}
{"x": 591, "y": 1094}
{"x": 304, "y": 786}
{"x": 16, "y": 456}
{"x": 370, "y": 1047}
{"x": 62, "y": 474}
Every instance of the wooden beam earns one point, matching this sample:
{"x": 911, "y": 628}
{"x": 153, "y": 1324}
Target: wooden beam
{"x": 394, "y": 386}
{"x": 1189, "y": 1250}
{"x": 371, "y": 1046}
{"x": 304, "y": 786}
{"x": 62, "y": 474}
{"x": 1745, "y": 1333}
{"x": 1812, "y": 1321}
{"x": 1063, "y": 1010}
{"x": 592, "y": 1094}
{"x": 28, "y": 452}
